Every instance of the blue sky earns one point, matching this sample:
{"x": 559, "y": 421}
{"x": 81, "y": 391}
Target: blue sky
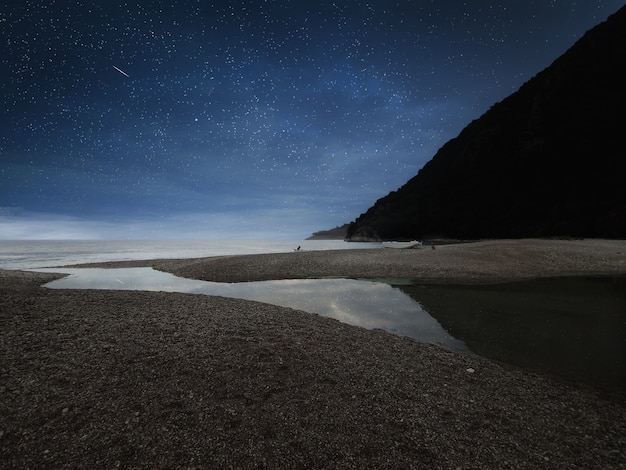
{"x": 247, "y": 119}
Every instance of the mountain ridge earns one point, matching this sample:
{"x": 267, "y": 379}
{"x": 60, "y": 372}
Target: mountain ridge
{"x": 545, "y": 161}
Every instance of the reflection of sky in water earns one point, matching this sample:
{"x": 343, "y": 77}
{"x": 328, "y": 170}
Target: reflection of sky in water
{"x": 361, "y": 303}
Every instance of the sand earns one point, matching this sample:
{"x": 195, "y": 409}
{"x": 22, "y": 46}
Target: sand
{"x": 118, "y": 379}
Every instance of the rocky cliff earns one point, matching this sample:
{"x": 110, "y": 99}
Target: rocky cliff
{"x": 548, "y": 160}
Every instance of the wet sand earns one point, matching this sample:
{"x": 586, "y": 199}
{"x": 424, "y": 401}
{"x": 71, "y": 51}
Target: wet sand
{"x": 107, "y": 379}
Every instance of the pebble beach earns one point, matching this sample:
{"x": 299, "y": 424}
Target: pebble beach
{"x": 119, "y": 379}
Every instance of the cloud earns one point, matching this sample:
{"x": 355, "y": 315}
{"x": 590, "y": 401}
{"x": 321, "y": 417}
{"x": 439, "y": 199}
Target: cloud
{"x": 36, "y": 226}
{"x": 287, "y": 223}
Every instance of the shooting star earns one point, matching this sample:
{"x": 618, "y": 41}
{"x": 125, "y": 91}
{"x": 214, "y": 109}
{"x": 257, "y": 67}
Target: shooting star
{"x": 121, "y": 71}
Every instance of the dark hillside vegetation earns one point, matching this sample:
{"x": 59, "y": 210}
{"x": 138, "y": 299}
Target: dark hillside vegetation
{"x": 548, "y": 160}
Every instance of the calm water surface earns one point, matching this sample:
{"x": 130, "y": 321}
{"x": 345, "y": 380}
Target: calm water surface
{"x": 362, "y": 303}
{"x": 572, "y": 327}
{"x": 29, "y": 254}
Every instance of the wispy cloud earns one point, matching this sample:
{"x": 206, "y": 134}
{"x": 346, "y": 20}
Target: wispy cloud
{"x": 272, "y": 224}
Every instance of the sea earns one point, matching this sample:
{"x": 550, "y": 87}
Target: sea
{"x": 33, "y": 254}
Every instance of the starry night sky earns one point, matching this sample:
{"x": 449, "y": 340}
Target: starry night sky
{"x": 246, "y": 119}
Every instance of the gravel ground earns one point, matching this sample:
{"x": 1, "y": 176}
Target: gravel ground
{"x": 480, "y": 262}
{"x": 118, "y": 379}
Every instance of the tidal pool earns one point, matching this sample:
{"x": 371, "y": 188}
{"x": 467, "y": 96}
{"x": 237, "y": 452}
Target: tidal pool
{"x": 572, "y": 327}
{"x": 362, "y": 303}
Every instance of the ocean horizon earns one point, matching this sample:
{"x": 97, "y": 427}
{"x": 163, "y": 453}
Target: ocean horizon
{"x": 33, "y": 254}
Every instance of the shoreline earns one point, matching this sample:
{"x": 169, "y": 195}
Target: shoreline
{"x": 483, "y": 262}
{"x": 104, "y": 379}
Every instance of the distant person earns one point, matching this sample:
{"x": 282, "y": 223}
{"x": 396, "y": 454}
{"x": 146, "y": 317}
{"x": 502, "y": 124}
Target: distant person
{"x": 298, "y": 249}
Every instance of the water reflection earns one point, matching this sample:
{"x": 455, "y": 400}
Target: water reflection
{"x": 362, "y": 303}
{"x": 573, "y": 327}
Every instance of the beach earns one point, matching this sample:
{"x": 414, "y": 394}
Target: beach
{"x": 119, "y": 379}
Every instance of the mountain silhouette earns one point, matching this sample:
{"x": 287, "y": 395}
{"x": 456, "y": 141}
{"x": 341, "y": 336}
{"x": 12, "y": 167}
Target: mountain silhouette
{"x": 549, "y": 160}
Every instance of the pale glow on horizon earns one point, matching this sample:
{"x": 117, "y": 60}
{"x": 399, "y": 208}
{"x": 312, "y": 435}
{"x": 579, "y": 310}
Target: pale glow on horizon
{"x": 280, "y": 225}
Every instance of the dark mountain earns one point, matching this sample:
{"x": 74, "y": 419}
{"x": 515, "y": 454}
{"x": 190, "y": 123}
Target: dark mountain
{"x": 337, "y": 233}
{"x": 548, "y": 160}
